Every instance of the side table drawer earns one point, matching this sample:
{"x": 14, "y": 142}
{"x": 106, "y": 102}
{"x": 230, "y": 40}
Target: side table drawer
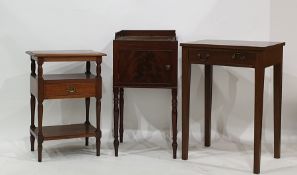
{"x": 223, "y": 57}
{"x": 69, "y": 90}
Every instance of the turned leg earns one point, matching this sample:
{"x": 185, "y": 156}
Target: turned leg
{"x": 121, "y": 114}
{"x": 277, "y": 71}
{"x": 32, "y": 106}
{"x": 32, "y": 127}
{"x": 259, "y": 87}
{"x": 98, "y": 131}
{"x": 208, "y": 101}
{"x": 116, "y": 119}
{"x": 87, "y": 101}
{"x": 174, "y": 122}
{"x": 98, "y": 103}
{"x": 186, "y": 78}
{"x": 40, "y": 135}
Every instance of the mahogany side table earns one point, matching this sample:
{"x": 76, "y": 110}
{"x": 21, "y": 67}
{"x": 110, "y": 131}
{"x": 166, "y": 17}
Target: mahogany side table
{"x": 144, "y": 59}
{"x": 61, "y": 86}
{"x": 257, "y": 55}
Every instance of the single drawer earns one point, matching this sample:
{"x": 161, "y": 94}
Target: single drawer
{"x": 69, "y": 90}
{"x": 223, "y": 57}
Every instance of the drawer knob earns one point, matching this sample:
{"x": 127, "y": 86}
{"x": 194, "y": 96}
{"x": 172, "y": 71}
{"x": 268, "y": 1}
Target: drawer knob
{"x": 167, "y": 67}
{"x": 238, "y": 56}
{"x": 71, "y": 89}
{"x": 203, "y": 57}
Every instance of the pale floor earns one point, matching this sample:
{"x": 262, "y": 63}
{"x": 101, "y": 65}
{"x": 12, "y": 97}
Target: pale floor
{"x": 141, "y": 155}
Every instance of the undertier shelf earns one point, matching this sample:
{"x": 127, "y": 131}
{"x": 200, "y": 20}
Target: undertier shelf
{"x": 66, "y": 131}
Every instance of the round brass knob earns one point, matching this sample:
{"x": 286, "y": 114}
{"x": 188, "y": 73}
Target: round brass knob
{"x": 167, "y": 67}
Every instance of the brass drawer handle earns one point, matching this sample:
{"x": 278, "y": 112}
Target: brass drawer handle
{"x": 167, "y": 67}
{"x": 203, "y": 57}
{"x": 238, "y": 56}
{"x": 71, "y": 89}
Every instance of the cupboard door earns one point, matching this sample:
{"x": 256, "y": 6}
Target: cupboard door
{"x": 146, "y": 66}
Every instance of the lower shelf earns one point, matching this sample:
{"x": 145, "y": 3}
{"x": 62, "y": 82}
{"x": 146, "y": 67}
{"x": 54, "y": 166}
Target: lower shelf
{"x": 65, "y": 131}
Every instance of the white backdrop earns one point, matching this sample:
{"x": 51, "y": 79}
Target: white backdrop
{"x": 283, "y": 29}
{"x": 91, "y": 24}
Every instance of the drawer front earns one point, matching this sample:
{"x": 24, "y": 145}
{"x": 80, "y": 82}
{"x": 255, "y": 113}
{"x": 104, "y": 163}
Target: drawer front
{"x": 140, "y": 67}
{"x": 223, "y": 57}
{"x": 69, "y": 90}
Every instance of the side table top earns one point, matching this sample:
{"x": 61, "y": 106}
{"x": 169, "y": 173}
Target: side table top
{"x": 256, "y": 45}
{"x": 64, "y": 53}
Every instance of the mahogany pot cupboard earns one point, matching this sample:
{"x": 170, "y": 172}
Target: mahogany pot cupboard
{"x": 143, "y": 59}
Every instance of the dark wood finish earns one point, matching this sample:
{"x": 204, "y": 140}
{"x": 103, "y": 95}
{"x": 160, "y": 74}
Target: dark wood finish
{"x": 186, "y": 82}
{"x": 32, "y": 126}
{"x": 146, "y": 38}
{"x": 87, "y": 102}
{"x": 32, "y": 106}
{"x": 257, "y": 55}
{"x": 60, "y": 86}
{"x": 143, "y": 59}
{"x": 98, "y": 106}
{"x": 208, "y": 99}
{"x": 174, "y": 122}
{"x": 40, "y": 84}
{"x": 121, "y": 114}
{"x": 145, "y": 63}
{"x": 98, "y": 130}
{"x": 116, "y": 119}
{"x": 40, "y": 136}
{"x": 259, "y": 88}
{"x": 277, "y": 76}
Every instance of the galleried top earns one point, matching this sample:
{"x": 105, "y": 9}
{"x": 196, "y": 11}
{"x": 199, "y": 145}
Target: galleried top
{"x": 146, "y": 35}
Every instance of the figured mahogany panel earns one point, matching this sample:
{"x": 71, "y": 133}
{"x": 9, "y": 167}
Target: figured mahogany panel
{"x": 145, "y": 66}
